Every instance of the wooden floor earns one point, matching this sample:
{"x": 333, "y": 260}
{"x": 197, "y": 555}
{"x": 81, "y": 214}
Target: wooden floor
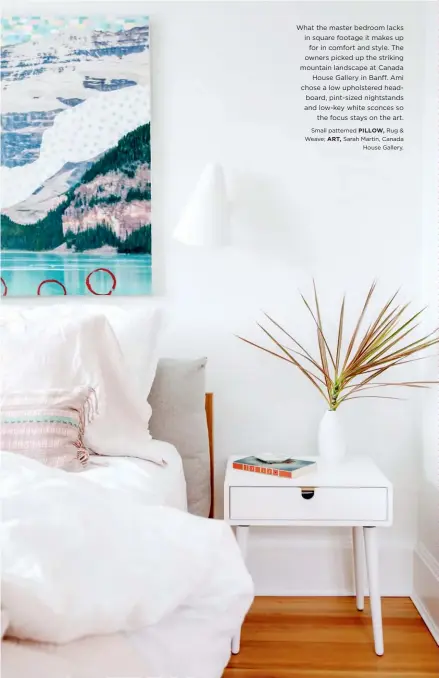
{"x": 328, "y": 637}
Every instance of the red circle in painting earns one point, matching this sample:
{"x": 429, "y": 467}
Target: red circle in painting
{"x": 5, "y": 288}
{"x": 51, "y": 280}
{"x": 106, "y": 270}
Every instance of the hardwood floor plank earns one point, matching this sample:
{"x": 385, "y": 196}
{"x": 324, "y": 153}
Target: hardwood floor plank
{"x": 293, "y": 673}
{"x": 329, "y": 638}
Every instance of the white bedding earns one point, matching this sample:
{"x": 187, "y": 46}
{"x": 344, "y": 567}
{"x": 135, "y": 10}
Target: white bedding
{"x": 151, "y": 483}
{"x": 83, "y": 557}
{"x": 98, "y": 657}
{"x": 100, "y": 573}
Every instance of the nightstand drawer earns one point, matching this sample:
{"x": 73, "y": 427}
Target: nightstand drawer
{"x": 326, "y": 504}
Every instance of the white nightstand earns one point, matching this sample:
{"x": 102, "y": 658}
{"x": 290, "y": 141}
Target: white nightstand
{"x": 352, "y": 494}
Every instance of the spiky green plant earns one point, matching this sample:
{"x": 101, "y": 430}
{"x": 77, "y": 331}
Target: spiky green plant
{"x": 338, "y": 377}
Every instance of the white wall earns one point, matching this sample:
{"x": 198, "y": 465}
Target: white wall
{"x": 226, "y": 88}
{"x": 426, "y": 559}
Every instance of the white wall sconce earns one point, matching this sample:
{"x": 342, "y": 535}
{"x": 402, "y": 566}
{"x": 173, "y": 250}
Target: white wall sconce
{"x": 205, "y": 219}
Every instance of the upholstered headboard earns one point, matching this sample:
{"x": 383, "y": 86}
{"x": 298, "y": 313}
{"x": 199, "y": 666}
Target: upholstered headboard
{"x": 182, "y": 414}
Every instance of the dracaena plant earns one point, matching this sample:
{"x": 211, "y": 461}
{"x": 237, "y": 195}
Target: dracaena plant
{"x": 341, "y": 375}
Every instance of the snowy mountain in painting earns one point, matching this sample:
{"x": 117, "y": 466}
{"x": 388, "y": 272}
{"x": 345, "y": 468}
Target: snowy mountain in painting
{"x": 64, "y": 48}
{"x": 104, "y": 203}
{"x": 78, "y": 133}
{"x": 49, "y": 195}
{"x": 47, "y": 75}
{"x": 22, "y": 134}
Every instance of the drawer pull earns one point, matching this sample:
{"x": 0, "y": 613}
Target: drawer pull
{"x": 307, "y": 492}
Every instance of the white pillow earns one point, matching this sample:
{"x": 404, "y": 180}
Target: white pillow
{"x": 43, "y": 350}
{"x": 137, "y": 331}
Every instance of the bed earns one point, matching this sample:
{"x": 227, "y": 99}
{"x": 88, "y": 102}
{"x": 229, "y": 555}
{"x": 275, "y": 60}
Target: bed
{"x": 171, "y": 610}
{"x": 159, "y": 485}
{"x": 156, "y": 485}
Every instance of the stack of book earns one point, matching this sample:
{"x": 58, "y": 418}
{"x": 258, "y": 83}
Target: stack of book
{"x": 287, "y": 468}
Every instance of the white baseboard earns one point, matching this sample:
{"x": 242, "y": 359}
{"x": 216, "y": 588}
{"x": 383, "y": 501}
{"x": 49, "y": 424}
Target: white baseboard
{"x": 425, "y": 594}
{"x": 322, "y": 567}
{"x": 427, "y": 618}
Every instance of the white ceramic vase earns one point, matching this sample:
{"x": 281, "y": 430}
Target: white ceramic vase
{"x": 332, "y": 445}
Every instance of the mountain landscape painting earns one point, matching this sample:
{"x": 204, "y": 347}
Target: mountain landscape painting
{"x": 75, "y": 182}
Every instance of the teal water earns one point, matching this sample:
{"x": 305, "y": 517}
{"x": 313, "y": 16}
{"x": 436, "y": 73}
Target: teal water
{"x": 24, "y": 271}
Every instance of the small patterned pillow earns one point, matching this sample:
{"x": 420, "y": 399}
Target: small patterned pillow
{"x": 48, "y": 426}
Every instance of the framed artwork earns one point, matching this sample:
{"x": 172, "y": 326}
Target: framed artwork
{"x": 75, "y": 156}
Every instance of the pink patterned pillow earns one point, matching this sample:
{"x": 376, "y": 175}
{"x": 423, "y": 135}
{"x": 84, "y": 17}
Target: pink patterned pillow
{"x": 48, "y": 426}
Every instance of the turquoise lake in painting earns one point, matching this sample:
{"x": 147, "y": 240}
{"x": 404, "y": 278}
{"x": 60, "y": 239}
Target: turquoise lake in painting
{"x": 22, "y": 272}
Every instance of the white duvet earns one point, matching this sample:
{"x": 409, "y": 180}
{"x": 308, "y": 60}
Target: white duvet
{"x": 82, "y": 559}
{"x": 151, "y": 483}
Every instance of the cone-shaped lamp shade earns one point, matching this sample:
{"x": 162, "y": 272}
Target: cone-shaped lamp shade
{"x": 205, "y": 218}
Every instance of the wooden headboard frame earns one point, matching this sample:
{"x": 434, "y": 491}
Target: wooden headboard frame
{"x": 209, "y": 417}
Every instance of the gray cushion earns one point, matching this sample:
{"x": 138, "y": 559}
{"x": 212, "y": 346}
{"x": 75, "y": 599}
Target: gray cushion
{"x": 177, "y": 400}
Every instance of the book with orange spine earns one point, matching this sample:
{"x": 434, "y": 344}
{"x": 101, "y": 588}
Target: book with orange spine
{"x": 289, "y": 468}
